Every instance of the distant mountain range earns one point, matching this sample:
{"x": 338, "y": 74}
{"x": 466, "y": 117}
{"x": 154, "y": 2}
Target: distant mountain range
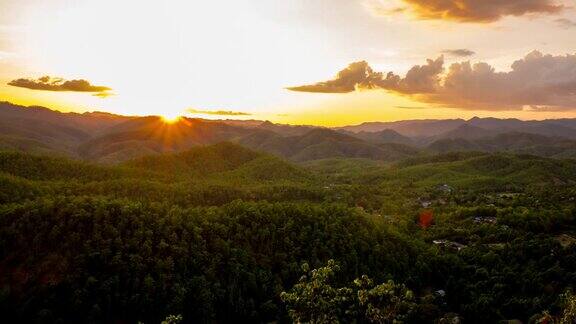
{"x": 113, "y": 138}
{"x": 430, "y": 128}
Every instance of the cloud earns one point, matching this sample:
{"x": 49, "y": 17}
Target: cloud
{"x": 566, "y": 23}
{"x": 461, "y": 52}
{"x": 359, "y": 75}
{"x": 409, "y": 107}
{"x": 218, "y": 112}
{"x": 535, "y": 82}
{"x": 58, "y": 84}
{"x": 468, "y": 11}
{"x": 104, "y": 95}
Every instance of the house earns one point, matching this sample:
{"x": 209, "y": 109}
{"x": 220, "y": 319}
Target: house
{"x": 425, "y": 203}
{"x": 485, "y": 220}
{"x": 445, "y": 188}
{"x": 449, "y": 245}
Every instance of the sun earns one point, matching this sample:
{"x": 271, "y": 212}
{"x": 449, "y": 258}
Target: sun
{"x": 170, "y": 118}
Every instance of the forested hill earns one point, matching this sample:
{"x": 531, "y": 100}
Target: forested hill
{"x": 112, "y": 139}
{"x": 218, "y": 233}
{"x": 223, "y": 160}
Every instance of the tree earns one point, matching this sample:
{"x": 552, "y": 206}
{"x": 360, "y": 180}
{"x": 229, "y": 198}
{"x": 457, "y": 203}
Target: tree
{"x": 313, "y": 299}
{"x": 172, "y": 319}
{"x": 569, "y": 313}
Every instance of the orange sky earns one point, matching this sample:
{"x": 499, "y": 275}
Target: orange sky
{"x": 166, "y": 57}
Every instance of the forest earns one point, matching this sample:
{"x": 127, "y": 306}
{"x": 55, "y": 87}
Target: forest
{"x": 222, "y": 233}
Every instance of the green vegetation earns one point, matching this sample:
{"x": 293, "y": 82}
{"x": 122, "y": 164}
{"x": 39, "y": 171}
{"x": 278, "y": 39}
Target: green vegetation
{"x": 222, "y": 233}
{"x": 314, "y": 300}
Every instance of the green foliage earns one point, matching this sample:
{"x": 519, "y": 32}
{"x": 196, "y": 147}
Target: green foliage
{"x": 172, "y": 319}
{"x": 145, "y": 260}
{"x": 217, "y": 233}
{"x": 569, "y": 304}
{"x": 314, "y": 300}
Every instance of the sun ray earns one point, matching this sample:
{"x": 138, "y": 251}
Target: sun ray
{"x": 169, "y": 118}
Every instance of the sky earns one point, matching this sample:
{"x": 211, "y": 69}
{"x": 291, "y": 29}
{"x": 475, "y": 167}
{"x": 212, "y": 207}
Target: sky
{"x": 321, "y": 62}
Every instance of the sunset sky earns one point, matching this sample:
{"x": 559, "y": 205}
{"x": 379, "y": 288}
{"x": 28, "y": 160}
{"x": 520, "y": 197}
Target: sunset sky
{"x": 280, "y": 60}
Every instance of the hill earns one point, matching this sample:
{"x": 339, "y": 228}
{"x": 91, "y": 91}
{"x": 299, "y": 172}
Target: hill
{"x": 426, "y": 131}
{"x": 514, "y": 142}
{"x": 39, "y": 128}
{"x": 488, "y": 171}
{"x": 410, "y": 128}
{"x": 383, "y": 136}
{"x": 321, "y": 143}
{"x": 224, "y": 161}
{"x": 465, "y": 131}
{"x": 212, "y": 175}
{"x": 146, "y": 135}
{"x": 110, "y": 139}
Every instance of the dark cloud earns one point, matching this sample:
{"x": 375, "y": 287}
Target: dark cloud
{"x": 218, "y": 112}
{"x": 420, "y": 78}
{"x": 58, "y": 84}
{"x": 461, "y": 52}
{"x": 359, "y": 75}
{"x": 478, "y": 11}
{"x": 535, "y": 82}
{"x": 566, "y": 23}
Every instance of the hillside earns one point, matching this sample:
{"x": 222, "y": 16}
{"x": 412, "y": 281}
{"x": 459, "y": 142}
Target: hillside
{"x": 320, "y": 144}
{"x": 224, "y": 220}
{"x": 34, "y": 128}
{"x": 383, "y": 136}
{"x": 153, "y": 135}
{"x": 211, "y": 175}
{"x": 224, "y": 161}
{"x": 410, "y": 128}
{"x": 110, "y": 139}
{"x": 466, "y": 131}
{"x": 475, "y": 171}
{"x": 430, "y": 130}
{"x": 515, "y": 142}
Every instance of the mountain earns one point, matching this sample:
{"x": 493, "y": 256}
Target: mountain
{"x": 322, "y": 144}
{"x": 39, "y": 129}
{"x": 494, "y": 171}
{"x": 383, "y": 136}
{"x": 559, "y": 128}
{"x": 465, "y": 131}
{"x": 410, "y": 128}
{"x": 514, "y": 142}
{"x": 148, "y": 135}
{"x": 285, "y": 130}
{"x": 426, "y": 131}
{"x": 110, "y": 138}
{"x": 227, "y": 160}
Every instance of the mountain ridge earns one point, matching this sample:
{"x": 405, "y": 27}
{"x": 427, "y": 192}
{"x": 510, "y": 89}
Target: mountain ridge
{"x": 109, "y": 138}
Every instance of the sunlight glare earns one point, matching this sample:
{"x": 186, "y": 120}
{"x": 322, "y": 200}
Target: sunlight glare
{"x": 170, "y": 118}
